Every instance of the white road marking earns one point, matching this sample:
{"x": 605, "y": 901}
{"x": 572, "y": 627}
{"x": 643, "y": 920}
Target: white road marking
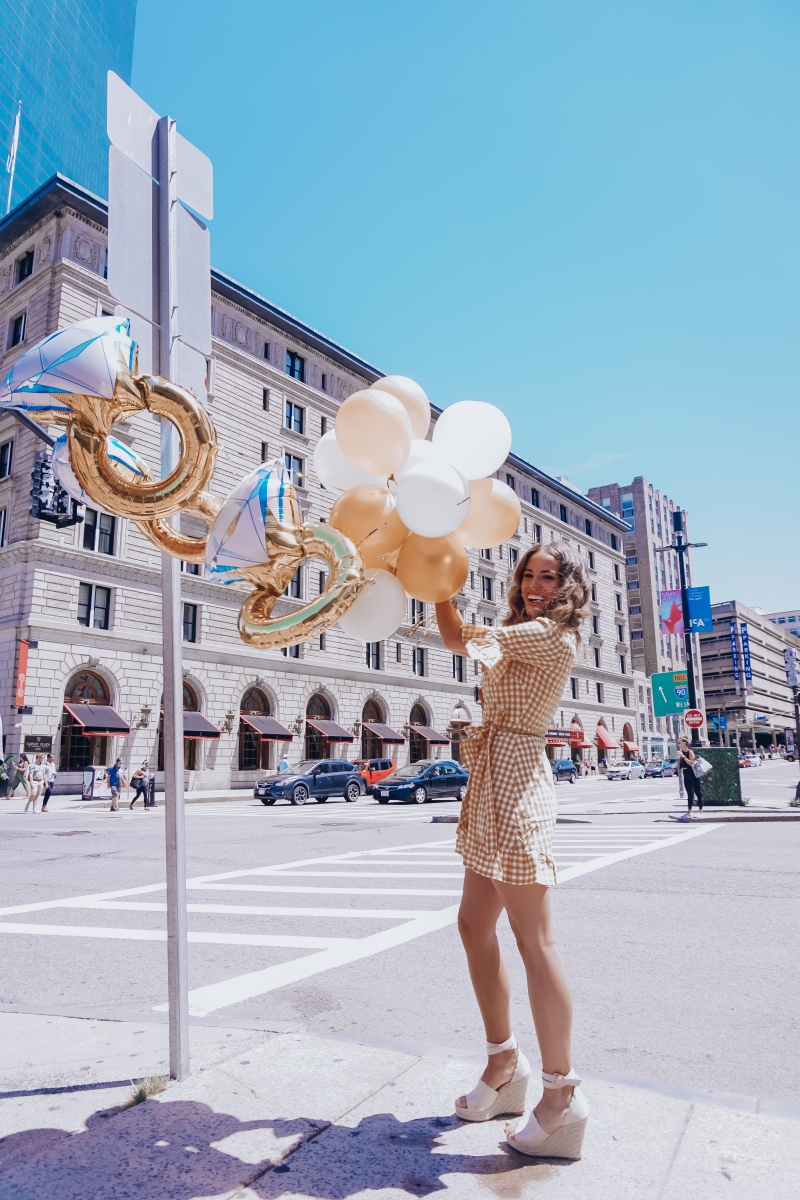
{"x": 403, "y": 863}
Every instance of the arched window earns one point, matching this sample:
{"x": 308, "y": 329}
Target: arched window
{"x": 317, "y": 745}
{"x": 371, "y": 744}
{"x": 417, "y": 746}
{"x": 254, "y": 753}
{"x": 77, "y": 750}
{"x": 189, "y": 744}
{"x": 628, "y": 736}
{"x": 459, "y": 728}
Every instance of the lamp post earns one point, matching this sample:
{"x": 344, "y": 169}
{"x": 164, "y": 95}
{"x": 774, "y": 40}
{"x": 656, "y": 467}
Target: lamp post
{"x": 682, "y": 548}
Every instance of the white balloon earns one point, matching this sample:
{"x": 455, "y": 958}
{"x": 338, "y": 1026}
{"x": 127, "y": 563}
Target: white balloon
{"x": 378, "y": 609}
{"x": 421, "y": 451}
{"x": 432, "y": 498}
{"x": 474, "y": 436}
{"x": 334, "y": 469}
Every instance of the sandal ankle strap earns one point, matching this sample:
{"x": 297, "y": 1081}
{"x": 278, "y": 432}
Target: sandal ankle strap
{"x": 499, "y": 1047}
{"x": 558, "y": 1081}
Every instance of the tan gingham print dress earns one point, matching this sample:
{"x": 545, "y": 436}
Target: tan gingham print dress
{"x": 509, "y": 813}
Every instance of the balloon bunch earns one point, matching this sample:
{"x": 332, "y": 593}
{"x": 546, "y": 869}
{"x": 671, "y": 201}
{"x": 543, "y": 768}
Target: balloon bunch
{"x": 412, "y": 506}
{"x": 409, "y": 508}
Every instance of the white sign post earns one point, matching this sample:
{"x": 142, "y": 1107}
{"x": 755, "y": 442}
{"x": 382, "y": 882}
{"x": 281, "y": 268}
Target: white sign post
{"x": 159, "y": 270}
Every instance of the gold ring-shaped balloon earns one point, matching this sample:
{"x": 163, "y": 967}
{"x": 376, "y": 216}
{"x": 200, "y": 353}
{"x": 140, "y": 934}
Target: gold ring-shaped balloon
{"x": 258, "y": 627}
{"x": 191, "y": 549}
{"x": 155, "y": 498}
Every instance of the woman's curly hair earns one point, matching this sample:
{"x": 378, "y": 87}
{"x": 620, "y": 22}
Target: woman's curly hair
{"x": 569, "y": 605}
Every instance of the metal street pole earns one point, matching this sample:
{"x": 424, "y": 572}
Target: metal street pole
{"x": 177, "y": 939}
{"x": 681, "y": 547}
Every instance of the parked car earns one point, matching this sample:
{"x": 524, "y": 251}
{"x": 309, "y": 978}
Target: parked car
{"x": 622, "y": 769}
{"x": 564, "y": 768}
{"x": 372, "y": 770}
{"x": 319, "y": 778}
{"x": 660, "y": 768}
{"x": 427, "y": 779}
{"x": 749, "y": 760}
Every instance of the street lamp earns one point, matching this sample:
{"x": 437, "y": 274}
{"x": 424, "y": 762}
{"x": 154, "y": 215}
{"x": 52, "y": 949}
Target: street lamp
{"x": 682, "y": 548}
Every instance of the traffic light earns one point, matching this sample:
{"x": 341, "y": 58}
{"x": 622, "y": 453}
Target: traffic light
{"x": 50, "y": 502}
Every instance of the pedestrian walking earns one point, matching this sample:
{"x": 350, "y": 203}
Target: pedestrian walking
{"x": 116, "y": 780}
{"x": 593, "y": 768}
{"x": 49, "y": 780}
{"x": 505, "y": 836}
{"x": 21, "y": 773}
{"x": 686, "y": 760}
{"x": 140, "y": 781}
{"x": 36, "y": 782}
{"x": 283, "y": 765}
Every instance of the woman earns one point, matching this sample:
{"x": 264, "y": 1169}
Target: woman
{"x": 21, "y": 777}
{"x": 35, "y": 782}
{"x": 686, "y": 760}
{"x": 505, "y": 836}
{"x": 140, "y": 781}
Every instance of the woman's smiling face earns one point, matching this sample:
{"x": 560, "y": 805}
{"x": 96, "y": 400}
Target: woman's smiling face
{"x": 540, "y": 582}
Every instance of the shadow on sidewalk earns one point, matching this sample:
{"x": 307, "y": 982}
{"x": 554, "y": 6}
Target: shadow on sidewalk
{"x": 177, "y": 1150}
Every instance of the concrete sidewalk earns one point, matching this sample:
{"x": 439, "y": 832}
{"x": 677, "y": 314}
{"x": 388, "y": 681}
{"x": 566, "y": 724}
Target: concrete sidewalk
{"x": 269, "y": 1115}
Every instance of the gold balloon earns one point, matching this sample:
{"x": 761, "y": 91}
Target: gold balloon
{"x": 412, "y": 398}
{"x": 368, "y": 516}
{"x": 161, "y": 533}
{"x": 494, "y": 514}
{"x": 432, "y": 569}
{"x": 374, "y": 431}
{"x": 258, "y": 627}
{"x": 157, "y": 497}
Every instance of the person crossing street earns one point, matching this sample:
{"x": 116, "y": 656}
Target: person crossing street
{"x": 116, "y": 780}
{"x": 49, "y": 780}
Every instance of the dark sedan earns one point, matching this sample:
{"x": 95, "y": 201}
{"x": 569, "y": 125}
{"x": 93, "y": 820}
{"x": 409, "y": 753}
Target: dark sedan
{"x": 660, "y": 768}
{"x": 319, "y": 778}
{"x": 564, "y": 768}
{"x": 427, "y": 779}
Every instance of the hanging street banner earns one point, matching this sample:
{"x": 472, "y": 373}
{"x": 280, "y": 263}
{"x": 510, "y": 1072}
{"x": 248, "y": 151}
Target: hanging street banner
{"x": 790, "y": 658}
{"x": 671, "y": 616}
{"x": 735, "y": 657}
{"x": 748, "y": 669}
{"x": 700, "y": 619}
{"x": 670, "y": 692}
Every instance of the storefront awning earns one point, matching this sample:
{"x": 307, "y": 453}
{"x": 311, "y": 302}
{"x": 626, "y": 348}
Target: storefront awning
{"x": 581, "y": 743}
{"x": 268, "y": 729}
{"x": 631, "y": 747}
{"x": 604, "y": 739}
{"x": 385, "y": 732}
{"x": 98, "y": 720}
{"x": 331, "y": 730}
{"x": 195, "y": 725}
{"x": 558, "y": 737}
{"x": 431, "y": 735}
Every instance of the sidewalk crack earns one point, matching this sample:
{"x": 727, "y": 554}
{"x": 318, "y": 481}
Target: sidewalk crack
{"x": 676, "y": 1151}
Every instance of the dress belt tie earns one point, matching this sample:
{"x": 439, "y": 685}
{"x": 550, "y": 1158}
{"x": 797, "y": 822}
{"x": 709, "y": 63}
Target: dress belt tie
{"x": 477, "y": 753}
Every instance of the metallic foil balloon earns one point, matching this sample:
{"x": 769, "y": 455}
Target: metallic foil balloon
{"x": 432, "y": 569}
{"x": 84, "y": 377}
{"x": 259, "y": 539}
{"x": 368, "y": 516}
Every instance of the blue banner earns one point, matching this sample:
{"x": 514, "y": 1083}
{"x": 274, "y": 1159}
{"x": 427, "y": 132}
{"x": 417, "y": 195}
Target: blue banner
{"x": 735, "y": 656}
{"x": 748, "y": 669}
{"x": 700, "y": 620}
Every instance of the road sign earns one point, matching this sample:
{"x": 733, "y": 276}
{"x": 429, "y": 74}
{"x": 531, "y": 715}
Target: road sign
{"x": 694, "y": 718}
{"x": 670, "y": 692}
{"x": 699, "y": 600}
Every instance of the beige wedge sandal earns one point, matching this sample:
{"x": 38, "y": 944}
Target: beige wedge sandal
{"x": 484, "y": 1102}
{"x": 567, "y": 1140}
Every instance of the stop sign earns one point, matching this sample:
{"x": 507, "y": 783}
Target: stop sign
{"x": 693, "y": 718}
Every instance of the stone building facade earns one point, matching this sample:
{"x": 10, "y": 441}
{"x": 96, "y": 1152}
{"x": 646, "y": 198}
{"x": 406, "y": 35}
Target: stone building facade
{"x": 647, "y": 513}
{"x": 84, "y": 601}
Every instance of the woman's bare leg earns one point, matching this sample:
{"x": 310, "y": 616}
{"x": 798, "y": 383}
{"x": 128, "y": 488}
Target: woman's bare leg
{"x": 529, "y": 915}
{"x": 477, "y": 924}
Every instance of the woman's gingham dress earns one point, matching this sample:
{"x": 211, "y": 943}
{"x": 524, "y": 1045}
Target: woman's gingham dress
{"x": 509, "y": 813}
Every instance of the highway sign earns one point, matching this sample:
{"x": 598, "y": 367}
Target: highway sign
{"x": 670, "y": 692}
{"x": 694, "y": 718}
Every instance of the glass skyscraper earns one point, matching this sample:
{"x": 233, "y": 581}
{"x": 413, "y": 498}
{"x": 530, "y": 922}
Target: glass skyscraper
{"x": 54, "y": 56}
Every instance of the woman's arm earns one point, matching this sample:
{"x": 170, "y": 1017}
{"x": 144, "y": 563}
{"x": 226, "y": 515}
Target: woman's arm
{"x": 449, "y": 620}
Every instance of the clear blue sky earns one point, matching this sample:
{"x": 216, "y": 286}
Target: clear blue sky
{"x": 585, "y": 213}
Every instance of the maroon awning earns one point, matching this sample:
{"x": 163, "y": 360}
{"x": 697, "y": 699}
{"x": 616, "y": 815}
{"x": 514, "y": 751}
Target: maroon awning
{"x": 331, "y": 730}
{"x": 268, "y": 729}
{"x": 604, "y": 739}
{"x": 385, "y": 733}
{"x": 631, "y": 747}
{"x": 195, "y": 725}
{"x": 98, "y": 720}
{"x": 431, "y": 735}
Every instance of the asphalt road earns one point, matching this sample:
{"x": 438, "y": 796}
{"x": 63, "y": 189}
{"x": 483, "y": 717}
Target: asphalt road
{"x": 680, "y": 940}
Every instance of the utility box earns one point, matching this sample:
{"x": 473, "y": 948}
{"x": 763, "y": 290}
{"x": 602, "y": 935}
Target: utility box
{"x": 723, "y": 785}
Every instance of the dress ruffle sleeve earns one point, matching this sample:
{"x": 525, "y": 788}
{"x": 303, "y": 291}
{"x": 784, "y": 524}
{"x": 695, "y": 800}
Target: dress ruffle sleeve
{"x": 539, "y": 643}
